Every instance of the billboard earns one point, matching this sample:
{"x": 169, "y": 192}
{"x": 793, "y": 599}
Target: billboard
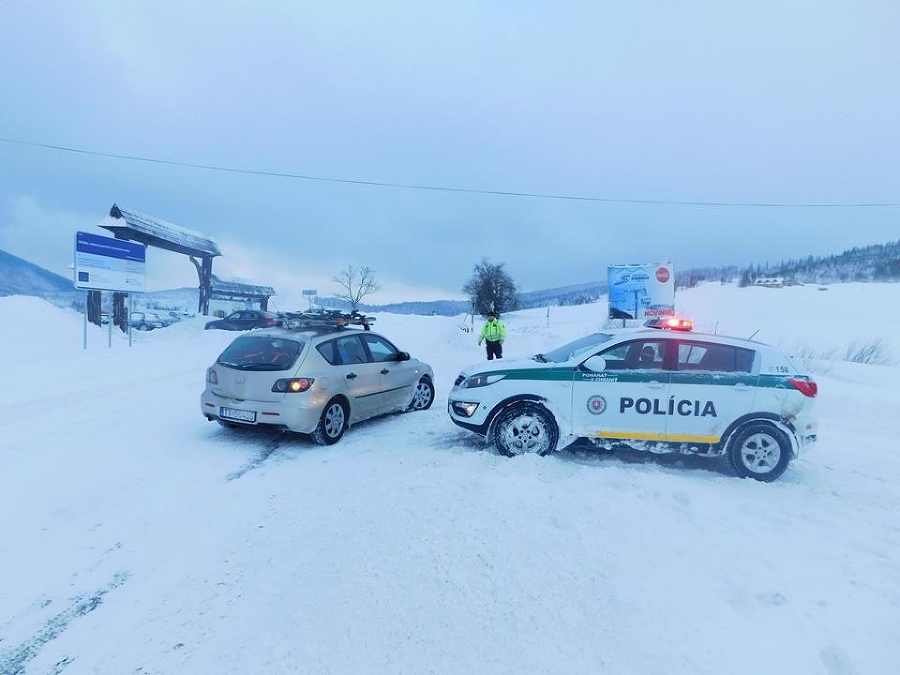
{"x": 641, "y": 291}
{"x": 107, "y": 264}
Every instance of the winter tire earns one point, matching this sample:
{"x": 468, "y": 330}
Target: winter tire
{"x": 423, "y": 396}
{"x": 332, "y": 423}
{"x": 759, "y": 450}
{"x": 525, "y": 428}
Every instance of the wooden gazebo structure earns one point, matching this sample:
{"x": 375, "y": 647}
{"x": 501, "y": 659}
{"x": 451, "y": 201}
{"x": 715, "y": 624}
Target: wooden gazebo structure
{"x": 134, "y": 226}
{"x": 221, "y": 289}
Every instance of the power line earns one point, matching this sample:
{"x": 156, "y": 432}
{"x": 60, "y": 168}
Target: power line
{"x": 441, "y": 188}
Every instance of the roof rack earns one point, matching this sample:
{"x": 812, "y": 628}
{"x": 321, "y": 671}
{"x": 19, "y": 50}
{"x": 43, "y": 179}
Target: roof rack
{"x": 326, "y": 318}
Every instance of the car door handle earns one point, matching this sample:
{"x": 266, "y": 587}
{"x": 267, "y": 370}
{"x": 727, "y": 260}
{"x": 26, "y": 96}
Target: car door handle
{"x": 351, "y": 376}
{"x": 385, "y": 371}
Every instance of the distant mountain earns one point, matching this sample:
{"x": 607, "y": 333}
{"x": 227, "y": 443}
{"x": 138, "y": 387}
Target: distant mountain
{"x": 20, "y": 277}
{"x": 880, "y": 262}
{"x": 576, "y": 294}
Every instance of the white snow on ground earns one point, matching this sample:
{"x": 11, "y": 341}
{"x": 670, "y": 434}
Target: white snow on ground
{"x": 137, "y": 538}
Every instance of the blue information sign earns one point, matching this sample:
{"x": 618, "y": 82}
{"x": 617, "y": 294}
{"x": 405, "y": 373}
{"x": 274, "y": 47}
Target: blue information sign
{"x": 108, "y": 264}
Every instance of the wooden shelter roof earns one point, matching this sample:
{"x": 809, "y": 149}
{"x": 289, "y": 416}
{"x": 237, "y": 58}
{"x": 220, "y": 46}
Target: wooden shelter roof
{"x": 134, "y": 226}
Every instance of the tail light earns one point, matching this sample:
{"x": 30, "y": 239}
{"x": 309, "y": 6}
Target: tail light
{"x": 294, "y": 385}
{"x": 804, "y": 385}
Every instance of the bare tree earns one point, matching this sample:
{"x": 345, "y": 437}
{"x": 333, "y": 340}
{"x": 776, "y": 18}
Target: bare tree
{"x": 356, "y": 283}
{"x": 491, "y": 288}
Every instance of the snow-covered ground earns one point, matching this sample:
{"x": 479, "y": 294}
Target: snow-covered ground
{"x": 137, "y": 538}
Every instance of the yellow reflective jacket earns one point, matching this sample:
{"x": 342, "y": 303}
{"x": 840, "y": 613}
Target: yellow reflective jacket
{"x": 493, "y": 331}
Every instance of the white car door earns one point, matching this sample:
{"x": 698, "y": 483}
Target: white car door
{"x": 629, "y": 399}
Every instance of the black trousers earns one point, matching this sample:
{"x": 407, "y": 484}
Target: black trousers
{"x": 494, "y": 349}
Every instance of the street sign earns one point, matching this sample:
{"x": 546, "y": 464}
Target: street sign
{"x": 309, "y": 292}
{"x": 107, "y": 264}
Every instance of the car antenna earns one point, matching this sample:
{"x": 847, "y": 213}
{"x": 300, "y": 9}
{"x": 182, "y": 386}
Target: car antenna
{"x": 753, "y": 333}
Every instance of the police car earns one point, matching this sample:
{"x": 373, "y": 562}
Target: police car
{"x": 661, "y": 388}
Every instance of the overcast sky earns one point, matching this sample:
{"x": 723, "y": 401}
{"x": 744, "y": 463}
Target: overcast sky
{"x": 771, "y": 102}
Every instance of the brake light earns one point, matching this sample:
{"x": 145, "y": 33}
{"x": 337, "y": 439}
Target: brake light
{"x": 294, "y": 385}
{"x": 805, "y": 386}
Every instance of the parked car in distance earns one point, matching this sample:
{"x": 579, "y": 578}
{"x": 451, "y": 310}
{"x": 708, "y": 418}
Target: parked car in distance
{"x": 314, "y": 380}
{"x": 245, "y": 319}
{"x": 179, "y": 315}
{"x": 145, "y": 321}
{"x": 662, "y": 388}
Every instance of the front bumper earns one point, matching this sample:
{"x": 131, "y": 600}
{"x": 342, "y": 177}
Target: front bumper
{"x": 458, "y": 407}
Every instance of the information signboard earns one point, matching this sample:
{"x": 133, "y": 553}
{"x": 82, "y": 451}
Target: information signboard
{"x": 107, "y": 264}
{"x": 641, "y": 291}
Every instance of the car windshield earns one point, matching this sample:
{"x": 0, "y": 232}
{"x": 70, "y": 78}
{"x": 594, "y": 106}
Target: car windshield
{"x": 575, "y": 348}
{"x": 261, "y": 352}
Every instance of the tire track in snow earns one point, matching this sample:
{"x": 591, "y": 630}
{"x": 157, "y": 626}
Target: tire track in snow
{"x": 257, "y": 461}
{"x": 12, "y": 662}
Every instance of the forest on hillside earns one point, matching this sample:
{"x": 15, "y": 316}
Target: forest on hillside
{"x": 878, "y": 262}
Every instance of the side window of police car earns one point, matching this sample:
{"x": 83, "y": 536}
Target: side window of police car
{"x": 714, "y": 357}
{"x": 636, "y": 355}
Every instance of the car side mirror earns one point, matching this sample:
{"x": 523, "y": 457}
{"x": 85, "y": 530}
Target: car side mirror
{"x": 595, "y": 364}
{"x": 403, "y": 356}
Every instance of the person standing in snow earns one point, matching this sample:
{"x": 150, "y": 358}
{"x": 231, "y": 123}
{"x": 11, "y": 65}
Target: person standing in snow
{"x": 493, "y": 334}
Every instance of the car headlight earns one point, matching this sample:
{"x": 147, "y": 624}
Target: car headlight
{"x": 481, "y": 380}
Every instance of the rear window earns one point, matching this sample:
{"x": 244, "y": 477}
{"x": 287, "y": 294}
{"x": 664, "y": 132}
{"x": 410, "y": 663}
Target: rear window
{"x": 261, "y": 352}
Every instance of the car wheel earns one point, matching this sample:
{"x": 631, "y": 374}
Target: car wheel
{"x": 759, "y": 450}
{"x": 525, "y": 428}
{"x": 423, "y": 396}
{"x": 332, "y": 423}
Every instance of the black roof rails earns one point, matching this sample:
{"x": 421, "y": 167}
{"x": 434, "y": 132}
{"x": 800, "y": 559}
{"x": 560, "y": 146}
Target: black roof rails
{"x": 326, "y": 318}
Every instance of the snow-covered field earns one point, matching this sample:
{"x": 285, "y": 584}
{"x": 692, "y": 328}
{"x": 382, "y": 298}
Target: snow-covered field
{"x": 137, "y": 538}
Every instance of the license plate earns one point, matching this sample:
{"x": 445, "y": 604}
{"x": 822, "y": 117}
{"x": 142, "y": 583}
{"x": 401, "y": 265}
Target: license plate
{"x": 234, "y": 414}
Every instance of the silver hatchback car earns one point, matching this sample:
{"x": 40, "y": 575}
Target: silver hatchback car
{"x": 315, "y": 381}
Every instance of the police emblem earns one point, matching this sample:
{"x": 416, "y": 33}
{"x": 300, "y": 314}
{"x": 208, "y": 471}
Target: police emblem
{"x": 596, "y": 405}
